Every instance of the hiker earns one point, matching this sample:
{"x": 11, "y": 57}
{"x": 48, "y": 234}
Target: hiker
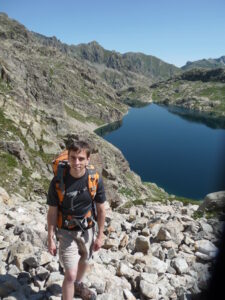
{"x": 76, "y": 195}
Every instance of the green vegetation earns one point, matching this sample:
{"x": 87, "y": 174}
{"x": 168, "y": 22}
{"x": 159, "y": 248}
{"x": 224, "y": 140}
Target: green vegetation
{"x": 8, "y": 163}
{"x": 185, "y": 201}
{"x": 215, "y": 92}
{"x": 135, "y": 103}
{"x": 205, "y": 214}
{"x": 9, "y": 160}
{"x": 131, "y": 203}
{"x": 126, "y": 192}
{"x": 197, "y": 215}
{"x": 4, "y": 87}
{"x": 7, "y": 125}
{"x": 76, "y": 115}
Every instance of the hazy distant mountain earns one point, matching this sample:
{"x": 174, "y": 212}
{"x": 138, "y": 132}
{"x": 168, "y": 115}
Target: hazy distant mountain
{"x": 140, "y": 63}
{"x": 211, "y": 63}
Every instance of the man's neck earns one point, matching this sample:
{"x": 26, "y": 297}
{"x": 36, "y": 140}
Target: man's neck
{"x": 76, "y": 174}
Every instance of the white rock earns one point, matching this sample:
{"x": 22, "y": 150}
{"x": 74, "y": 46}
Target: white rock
{"x": 206, "y": 247}
{"x": 124, "y": 270}
{"x": 180, "y": 265}
{"x": 149, "y": 290}
{"x": 128, "y": 295}
{"x": 150, "y": 278}
{"x": 157, "y": 266}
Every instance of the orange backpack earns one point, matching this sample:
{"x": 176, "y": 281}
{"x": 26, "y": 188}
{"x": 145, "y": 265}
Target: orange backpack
{"x": 60, "y": 165}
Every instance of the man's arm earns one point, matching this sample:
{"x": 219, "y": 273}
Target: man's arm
{"x": 52, "y": 222}
{"x": 101, "y": 222}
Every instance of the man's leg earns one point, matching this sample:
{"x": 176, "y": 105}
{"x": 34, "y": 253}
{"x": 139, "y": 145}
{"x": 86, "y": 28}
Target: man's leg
{"x": 82, "y": 266}
{"x": 69, "y": 258}
{"x": 68, "y": 284}
{"x": 84, "y": 245}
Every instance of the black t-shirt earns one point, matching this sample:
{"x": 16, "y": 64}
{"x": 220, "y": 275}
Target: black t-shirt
{"x": 77, "y": 199}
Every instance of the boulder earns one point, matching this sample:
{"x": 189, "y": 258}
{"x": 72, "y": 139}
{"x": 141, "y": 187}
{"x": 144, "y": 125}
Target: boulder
{"x": 213, "y": 201}
{"x": 149, "y": 290}
{"x": 4, "y": 197}
{"x": 180, "y": 265}
{"x": 16, "y": 148}
{"x": 142, "y": 244}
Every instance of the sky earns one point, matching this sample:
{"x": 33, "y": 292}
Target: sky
{"x": 175, "y": 31}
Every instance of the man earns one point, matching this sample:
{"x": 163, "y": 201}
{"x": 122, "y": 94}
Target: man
{"x": 75, "y": 242}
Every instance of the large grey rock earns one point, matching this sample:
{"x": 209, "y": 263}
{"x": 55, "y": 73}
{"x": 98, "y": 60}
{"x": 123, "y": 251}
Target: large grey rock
{"x": 17, "y": 149}
{"x": 157, "y": 266}
{"x": 128, "y": 295}
{"x": 149, "y": 290}
{"x": 148, "y": 277}
{"x": 142, "y": 244}
{"x": 4, "y": 198}
{"x": 124, "y": 270}
{"x": 163, "y": 235}
{"x": 213, "y": 201}
{"x": 206, "y": 247}
{"x": 54, "y": 277}
{"x": 8, "y": 284}
{"x": 180, "y": 265}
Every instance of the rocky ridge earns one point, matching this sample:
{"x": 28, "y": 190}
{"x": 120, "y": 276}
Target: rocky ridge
{"x": 211, "y": 63}
{"x": 156, "y": 251}
{"x": 197, "y": 90}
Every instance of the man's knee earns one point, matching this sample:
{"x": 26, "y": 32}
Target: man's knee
{"x": 70, "y": 275}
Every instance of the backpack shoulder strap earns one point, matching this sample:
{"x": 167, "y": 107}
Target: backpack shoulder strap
{"x": 93, "y": 178}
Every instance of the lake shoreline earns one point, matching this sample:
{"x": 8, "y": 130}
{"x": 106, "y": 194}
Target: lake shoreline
{"x": 193, "y": 116}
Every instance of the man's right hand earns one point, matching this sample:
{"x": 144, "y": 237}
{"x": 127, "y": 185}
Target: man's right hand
{"x": 52, "y": 247}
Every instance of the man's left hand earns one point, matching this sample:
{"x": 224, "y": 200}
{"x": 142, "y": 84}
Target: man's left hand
{"x": 97, "y": 244}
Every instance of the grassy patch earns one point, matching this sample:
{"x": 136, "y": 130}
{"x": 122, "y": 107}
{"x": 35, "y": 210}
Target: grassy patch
{"x": 8, "y": 163}
{"x": 135, "y": 103}
{"x": 126, "y": 192}
{"x": 136, "y": 202}
{"x": 95, "y": 120}
{"x": 4, "y": 87}
{"x": 47, "y": 158}
{"x": 156, "y": 96}
{"x": 197, "y": 215}
{"x": 8, "y": 160}
{"x": 186, "y": 201}
{"x": 213, "y": 92}
{"x": 7, "y": 125}
{"x": 74, "y": 114}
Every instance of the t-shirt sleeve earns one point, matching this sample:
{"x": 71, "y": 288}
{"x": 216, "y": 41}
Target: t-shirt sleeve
{"x": 100, "y": 195}
{"x": 52, "y": 197}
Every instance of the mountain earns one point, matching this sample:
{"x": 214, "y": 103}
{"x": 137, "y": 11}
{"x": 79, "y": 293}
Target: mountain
{"x": 51, "y": 92}
{"x": 205, "y": 64}
{"x": 48, "y": 96}
{"x": 201, "y": 91}
{"x": 140, "y": 63}
{"x": 118, "y": 70}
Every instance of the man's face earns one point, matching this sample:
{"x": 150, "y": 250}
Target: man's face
{"x": 78, "y": 161}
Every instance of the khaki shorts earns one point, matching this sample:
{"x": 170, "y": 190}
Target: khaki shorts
{"x": 74, "y": 246}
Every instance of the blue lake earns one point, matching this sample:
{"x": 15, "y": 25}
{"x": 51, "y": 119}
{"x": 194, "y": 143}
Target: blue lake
{"x": 181, "y": 151}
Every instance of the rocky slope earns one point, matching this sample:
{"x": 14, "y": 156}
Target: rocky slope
{"x": 211, "y": 63}
{"x": 156, "y": 251}
{"x": 197, "y": 90}
{"x": 46, "y": 96}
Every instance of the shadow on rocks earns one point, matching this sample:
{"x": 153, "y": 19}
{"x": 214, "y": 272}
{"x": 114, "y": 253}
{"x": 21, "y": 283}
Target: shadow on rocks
{"x": 23, "y": 288}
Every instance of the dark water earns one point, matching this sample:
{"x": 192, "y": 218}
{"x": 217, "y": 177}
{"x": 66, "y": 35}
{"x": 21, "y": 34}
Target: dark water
{"x": 180, "y": 151}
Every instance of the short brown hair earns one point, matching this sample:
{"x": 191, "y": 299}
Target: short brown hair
{"x": 78, "y": 146}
